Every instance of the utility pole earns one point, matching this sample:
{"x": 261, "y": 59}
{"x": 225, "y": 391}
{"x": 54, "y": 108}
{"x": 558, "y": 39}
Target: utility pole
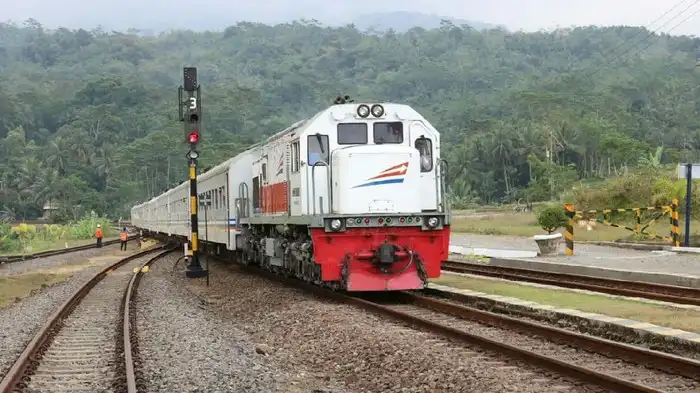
{"x": 190, "y": 114}
{"x": 550, "y": 153}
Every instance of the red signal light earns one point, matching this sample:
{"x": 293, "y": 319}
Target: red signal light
{"x": 193, "y": 137}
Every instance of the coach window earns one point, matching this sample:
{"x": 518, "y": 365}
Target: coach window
{"x": 295, "y": 156}
{"x": 425, "y": 148}
{"x": 352, "y": 134}
{"x": 256, "y": 193}
{"x": 216, "y": 198}
{"x": 318, "y": 149}
{"x": 388, "y": 132}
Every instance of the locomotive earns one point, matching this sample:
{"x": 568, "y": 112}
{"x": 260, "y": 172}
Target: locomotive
{"x": 352, "y": 198}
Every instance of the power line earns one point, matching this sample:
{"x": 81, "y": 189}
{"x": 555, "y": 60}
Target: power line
{"x": 605, "y": 65}
{"x": 648, "y": 36}
{"x": 626, "y": 41}
{"x": 673, "y": 28}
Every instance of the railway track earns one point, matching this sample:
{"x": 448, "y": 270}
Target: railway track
{"x": 86, "y": 345}
{"x": 614, "y": 366}
{"x": 44, "y": 254}
{"x": 666, "y": 293}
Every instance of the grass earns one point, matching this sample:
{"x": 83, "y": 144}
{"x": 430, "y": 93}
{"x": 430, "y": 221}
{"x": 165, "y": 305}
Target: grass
{"x": 22, "y": 285}
{"x": 18, "y": 286}
{"x": 677, "y": 318}
{"x": 46, "y": 245}
{"x": 525, "y": 225}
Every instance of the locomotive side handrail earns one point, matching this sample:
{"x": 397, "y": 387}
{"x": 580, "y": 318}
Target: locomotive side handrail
{"x": 313, "y": 185}
{"x": 441, "y": 180}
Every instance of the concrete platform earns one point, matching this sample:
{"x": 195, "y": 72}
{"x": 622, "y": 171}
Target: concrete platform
{"x": 626, "y": 330}
{"x": 656, "y": 266}
{"x": 683, "y": 280}
{"x": 492, "y": 253}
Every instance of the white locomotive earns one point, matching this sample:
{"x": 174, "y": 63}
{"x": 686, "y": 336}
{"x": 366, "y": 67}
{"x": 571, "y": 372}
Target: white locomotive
{"x": 353, "y": 197}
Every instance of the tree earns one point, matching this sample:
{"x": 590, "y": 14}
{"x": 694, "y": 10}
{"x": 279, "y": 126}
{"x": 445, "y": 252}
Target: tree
{"x": 532, "y": 113}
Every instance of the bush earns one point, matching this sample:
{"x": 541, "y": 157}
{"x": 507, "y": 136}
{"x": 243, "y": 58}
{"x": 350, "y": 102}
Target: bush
{"x": 85, "y": 228}
{"x": 552, "y": 218}
{"x": 640, "y": 188}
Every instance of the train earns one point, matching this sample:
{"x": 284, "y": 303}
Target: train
{"x": 352, "y": 198}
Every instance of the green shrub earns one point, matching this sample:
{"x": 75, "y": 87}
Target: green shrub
{"x": 551, "y": 218}
{"x": 85, "y": 228}
{"x": 639, "y": 188}
{"x": 24, "y": 238}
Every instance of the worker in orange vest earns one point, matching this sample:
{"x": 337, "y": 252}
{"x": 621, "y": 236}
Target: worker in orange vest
{"x": 123, "y": 236}
{"x": 98, "y": 235}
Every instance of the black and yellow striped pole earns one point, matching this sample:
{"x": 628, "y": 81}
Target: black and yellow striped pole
{"x": 192, "y": 118}
{"x": 569, "y": 234}
{"x": 675, "y": 227}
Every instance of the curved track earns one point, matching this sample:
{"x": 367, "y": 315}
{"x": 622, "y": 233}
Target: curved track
{"x": 666, "y": 293}
{"x": 611, "y": 365}
{"x": 85, "y": 346}
{"x": 44, "y": 254}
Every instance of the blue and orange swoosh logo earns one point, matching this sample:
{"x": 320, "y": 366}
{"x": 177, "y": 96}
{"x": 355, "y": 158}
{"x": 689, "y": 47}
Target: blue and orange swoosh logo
{"x": 387, "y": 176}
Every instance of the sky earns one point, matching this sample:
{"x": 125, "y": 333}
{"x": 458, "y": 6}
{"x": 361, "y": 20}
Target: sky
{"x": 528, "y": 15}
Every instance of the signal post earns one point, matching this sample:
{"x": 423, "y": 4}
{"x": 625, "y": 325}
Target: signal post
{"x": 190, "y": 113}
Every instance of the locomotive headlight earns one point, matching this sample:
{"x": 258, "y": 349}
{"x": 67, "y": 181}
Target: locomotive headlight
{"x": 377, "y": 110}
{"x": 363, "y": 111}
{"x": 433, "y": 222}
{"x": 336, "y": 224}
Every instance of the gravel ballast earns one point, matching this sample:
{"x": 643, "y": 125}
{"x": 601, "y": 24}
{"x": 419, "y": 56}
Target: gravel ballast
{"x": 21, "y": 320}
{"x": 348, "y": 349}
{"x": 183, "y": 347}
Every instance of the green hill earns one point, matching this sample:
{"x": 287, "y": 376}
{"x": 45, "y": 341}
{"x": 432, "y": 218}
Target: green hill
{"x": 402, "y": 21}
{"x": 88, "y": 118}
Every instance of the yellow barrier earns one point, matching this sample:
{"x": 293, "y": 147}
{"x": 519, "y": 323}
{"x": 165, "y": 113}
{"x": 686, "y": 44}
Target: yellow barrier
{"x": 671, "y": 210}
{"x": 569, "y": 234}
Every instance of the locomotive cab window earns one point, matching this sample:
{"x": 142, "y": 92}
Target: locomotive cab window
{"x": 264, "y": 172}
{"x": 425, "y": 148}
{"x": 388, "y": 132}
{"x": 318, "y": 149}
{"x": 352, "y": 134}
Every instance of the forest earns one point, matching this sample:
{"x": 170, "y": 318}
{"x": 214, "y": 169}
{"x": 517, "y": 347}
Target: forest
{"x": 89, "y": 119}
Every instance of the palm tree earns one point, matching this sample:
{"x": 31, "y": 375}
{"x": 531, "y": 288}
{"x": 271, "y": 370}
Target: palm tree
{"x": 652, "y": 160}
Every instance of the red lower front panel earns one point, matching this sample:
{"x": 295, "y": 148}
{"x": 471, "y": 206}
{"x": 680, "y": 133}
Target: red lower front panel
{"x": 357, "y": 245}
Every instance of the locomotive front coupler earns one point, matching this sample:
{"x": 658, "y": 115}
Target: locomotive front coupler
{"x": 385, "y": 256}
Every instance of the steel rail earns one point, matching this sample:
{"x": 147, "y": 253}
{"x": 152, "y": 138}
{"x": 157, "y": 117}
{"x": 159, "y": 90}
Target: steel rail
{"x": 666, "y": 293}
{"x": 48, "y": 253}
{"x": 129, "y": 337}
{"x": 14, "y": 379}
{"x": 660, "y": 360}
{"x": 685, "y": 366}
